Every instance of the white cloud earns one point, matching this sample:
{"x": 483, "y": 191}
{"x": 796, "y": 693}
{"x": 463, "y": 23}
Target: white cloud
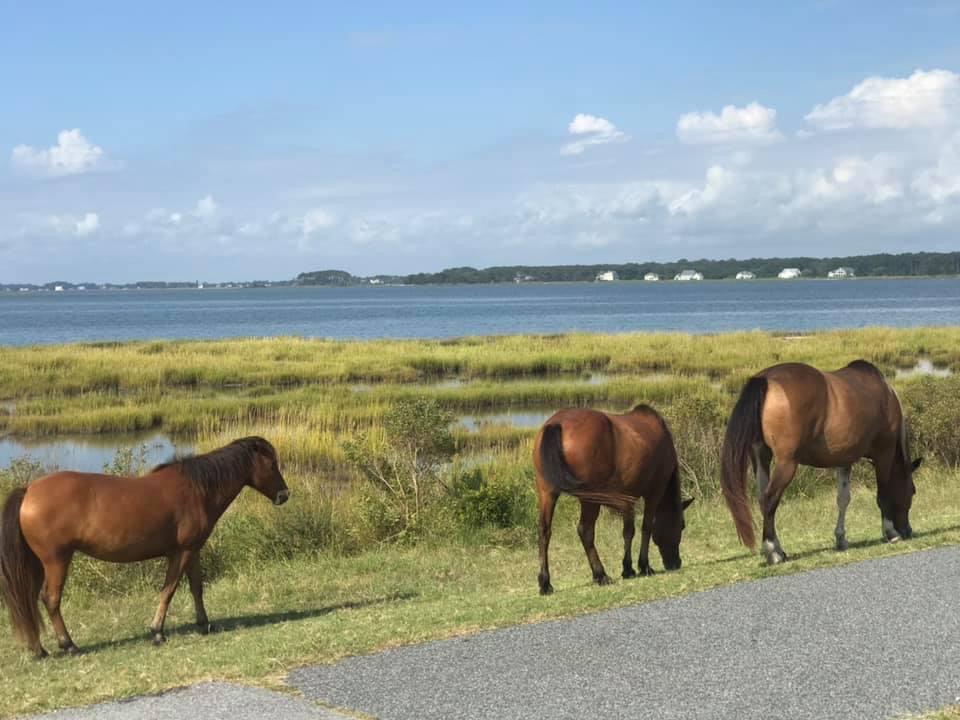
{"x": 65, "y": 225}
{"x": 591, "y": 130}
{"x": 923, "y": 100}
{"x": 206, "y": 209}
{"x": 72, "y": 155}
{"x": 753, "y": 123}
{"x": 941, "y": 183}
{"x": 317, "y": 220}
{"x": 87, "y": 224}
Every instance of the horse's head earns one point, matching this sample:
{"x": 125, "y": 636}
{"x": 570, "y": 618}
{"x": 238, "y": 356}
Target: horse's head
{"x": 266, "y": 477}
{"x": 668, "y": 527}
{"x": 895, "y": 500}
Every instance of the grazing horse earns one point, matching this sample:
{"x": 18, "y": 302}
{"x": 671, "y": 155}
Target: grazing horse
{"x": 170, "y": 512}
{"x": 611, "y": 460}
{"x": 798, "y": 415}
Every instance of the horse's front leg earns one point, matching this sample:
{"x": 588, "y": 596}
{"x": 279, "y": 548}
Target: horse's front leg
{"x": 646, "y": 529}
{"x": 843, "y": 500}
{"x": 629, "y": 530}
{"x": 882, "y": 464}
{"x": 178, "y": 562}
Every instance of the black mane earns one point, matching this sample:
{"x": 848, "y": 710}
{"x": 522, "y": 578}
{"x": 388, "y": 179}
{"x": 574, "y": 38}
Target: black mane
{"x": 213, "y": 471}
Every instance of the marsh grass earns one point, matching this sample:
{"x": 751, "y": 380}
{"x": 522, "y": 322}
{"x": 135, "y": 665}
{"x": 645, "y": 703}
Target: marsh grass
{"x": 326, "y": 576}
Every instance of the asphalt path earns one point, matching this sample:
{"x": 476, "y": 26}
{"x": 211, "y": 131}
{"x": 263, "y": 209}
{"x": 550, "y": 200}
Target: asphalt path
{"x": 876, "y": 639}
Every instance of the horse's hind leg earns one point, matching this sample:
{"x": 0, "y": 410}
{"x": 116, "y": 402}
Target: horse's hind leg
{"x": 760, "y": 458}
{"x": 843, "y": 500}
{"x": 196, "y": 588}
{"x": 55, "y": 576}
{"x": 629, "y": 530}
{"x": 178, "y": 563}
{"x": 589, "y": 511}
{"x": 782, "y": 475}
{"x": 548, "y": 501}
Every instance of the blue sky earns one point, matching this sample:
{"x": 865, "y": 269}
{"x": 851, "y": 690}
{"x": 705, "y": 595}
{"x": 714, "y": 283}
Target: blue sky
{"x": 180, "y": 140}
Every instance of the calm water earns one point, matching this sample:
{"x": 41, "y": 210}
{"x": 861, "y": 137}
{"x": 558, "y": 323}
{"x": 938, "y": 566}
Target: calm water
{"x": 88, "y": 453}
{"x": 446, "y": 311}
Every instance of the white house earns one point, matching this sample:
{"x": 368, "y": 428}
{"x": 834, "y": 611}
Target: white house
{"x": 688, "y": 275}
{"x": 608, "y": 276}
{"x": 745, "y": 275}
{"x": 58, "y": 288}
{"x": 651, "y": 277}
{"x": 841, "y": 273}
{"x": 789, "y": 273}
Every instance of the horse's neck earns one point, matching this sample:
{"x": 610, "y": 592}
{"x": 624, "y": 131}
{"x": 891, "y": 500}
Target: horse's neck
{"x": 218, "y": 500}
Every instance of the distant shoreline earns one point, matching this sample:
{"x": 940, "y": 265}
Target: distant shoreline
{"x": 213, "y": 287}
{"x": 912, "y": 265}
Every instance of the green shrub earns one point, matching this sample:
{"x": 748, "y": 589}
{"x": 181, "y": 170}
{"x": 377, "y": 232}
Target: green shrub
{"x": 489, "y": 500}
{"x": 698, "y": 422}
{"x": 932, "y": 407}
{"x": 405, "y": 465}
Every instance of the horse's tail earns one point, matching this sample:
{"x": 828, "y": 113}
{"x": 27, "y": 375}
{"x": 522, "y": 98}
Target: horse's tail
{"x": 559, "y": 476}
{"x": 21, "y": 574}
{"x": 743, "y": 430}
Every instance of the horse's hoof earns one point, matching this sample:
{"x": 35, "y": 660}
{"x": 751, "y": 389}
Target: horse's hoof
{"x": 776, "y": 558}
{"x": 204, "y": 628}
{"x": 40, "y": 654}
{"x": 842, "y": 543}
{"x": 647, "y": 571}
{"x": 546, "y": 589}
{"x": 159, "y": 639}
{"x": 72, "y": 649}
{"x": 628, "y": 573}
{"x": 603, "y": 579}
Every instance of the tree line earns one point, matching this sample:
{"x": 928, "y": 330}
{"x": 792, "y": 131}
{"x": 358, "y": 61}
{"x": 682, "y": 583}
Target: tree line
{"x": 877, "y": 265}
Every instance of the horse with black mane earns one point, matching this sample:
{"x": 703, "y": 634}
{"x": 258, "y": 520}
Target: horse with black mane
{"x": 797, "y": 415}
{"x": 169, "y": 512}
{"x": 611, "y": 460}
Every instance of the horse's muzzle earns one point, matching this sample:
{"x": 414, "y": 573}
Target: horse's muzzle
{"x": 282, "y": 497}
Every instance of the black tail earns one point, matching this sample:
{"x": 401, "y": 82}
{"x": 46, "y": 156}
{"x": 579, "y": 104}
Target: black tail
{"x": 558, "y": 474}
{"x": 21, "y": 574}
{"x": 743, "y": 430}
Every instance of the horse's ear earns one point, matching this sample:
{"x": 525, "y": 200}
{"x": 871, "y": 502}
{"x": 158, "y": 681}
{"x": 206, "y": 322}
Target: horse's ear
{"x": 916, "y": 463}
{"x": 686, "y": 503}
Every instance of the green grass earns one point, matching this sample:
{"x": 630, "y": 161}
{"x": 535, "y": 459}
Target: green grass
{"x": 315, "y": 609}
{"x": 948, "y": 713}
{"x": 315, "y": 580}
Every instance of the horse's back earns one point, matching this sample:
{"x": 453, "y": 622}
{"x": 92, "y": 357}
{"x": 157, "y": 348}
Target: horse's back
{"x": 107, "y": 516}
{"x": 603, "y": 448}
{"x": 823, "y": 418}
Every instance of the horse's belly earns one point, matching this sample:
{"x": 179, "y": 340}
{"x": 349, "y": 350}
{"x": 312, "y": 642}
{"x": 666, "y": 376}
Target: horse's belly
{"x": 827, "y": 454}
{"x": 125, "y": 553}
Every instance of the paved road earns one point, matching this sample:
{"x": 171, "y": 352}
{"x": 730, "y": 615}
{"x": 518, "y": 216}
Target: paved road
{"x": 869, "y": 640}
{"x": 209, "y": 701}
{"x": 872, "y": 640}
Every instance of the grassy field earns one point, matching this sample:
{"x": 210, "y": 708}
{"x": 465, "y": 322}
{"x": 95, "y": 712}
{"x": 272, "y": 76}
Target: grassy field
{"x": 325, "y": 576}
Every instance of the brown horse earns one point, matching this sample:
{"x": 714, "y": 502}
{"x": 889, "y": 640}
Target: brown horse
{"x": 796, "y": 414}
{"x": 611, "y": 460}
{"x": 169, "y": 512}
